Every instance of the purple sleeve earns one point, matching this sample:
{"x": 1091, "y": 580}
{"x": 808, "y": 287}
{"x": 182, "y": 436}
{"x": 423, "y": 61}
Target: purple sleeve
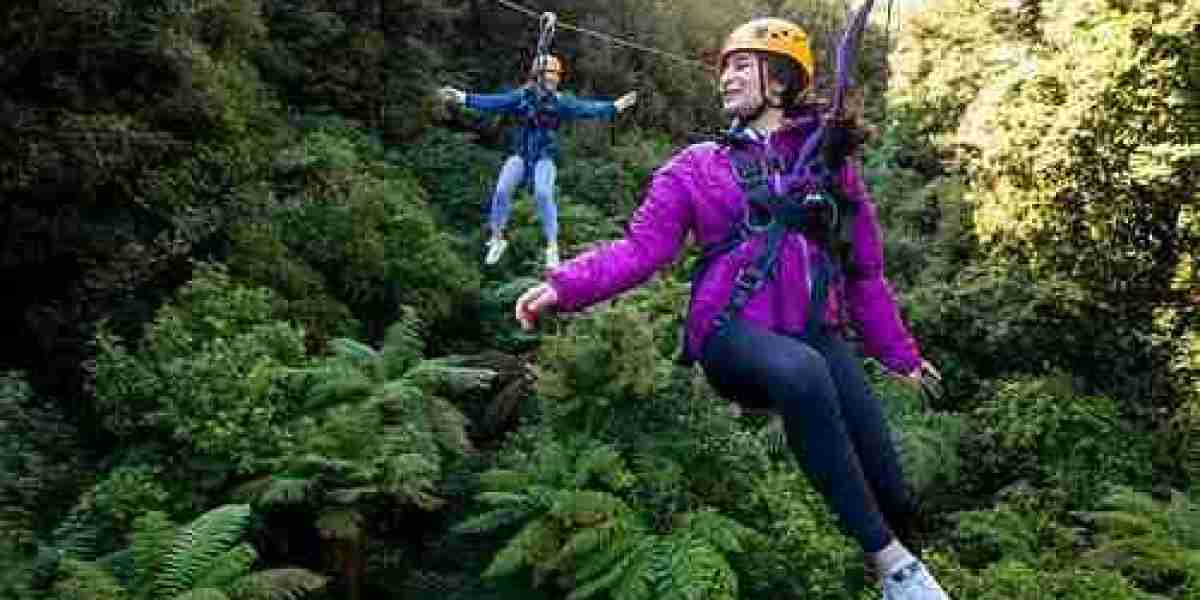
{"x": 870, "y": 300}
{"x": 653, "y": 239}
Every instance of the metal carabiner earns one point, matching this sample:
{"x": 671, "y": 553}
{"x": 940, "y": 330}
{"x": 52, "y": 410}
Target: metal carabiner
{"x": 545, "y": 32}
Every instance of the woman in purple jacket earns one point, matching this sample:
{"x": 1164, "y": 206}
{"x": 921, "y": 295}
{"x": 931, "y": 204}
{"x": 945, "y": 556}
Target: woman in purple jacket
{"x": 768, "y": 332}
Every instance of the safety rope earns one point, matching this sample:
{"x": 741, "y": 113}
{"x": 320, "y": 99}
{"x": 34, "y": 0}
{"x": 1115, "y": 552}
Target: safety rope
{"x": 608, "y": 38}
{"x": 887, "y": 33}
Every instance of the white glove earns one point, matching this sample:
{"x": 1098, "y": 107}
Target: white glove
{"x": 625, "y": 101}
{"x": 454, "y": 95}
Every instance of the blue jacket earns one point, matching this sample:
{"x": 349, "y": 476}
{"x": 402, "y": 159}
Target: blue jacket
{"x": 537, "y": 138}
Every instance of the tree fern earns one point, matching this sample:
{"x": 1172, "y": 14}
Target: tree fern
{"x": 592, "y": 541}
{"x": 152, "y": 538}
{"x": 929, "y": 449}
{"x": 228, "y": 567}
{"x": 289, "y": 490}
{"x": 278, "y": 584}
{"x": 75, "y": 537}
{"x": 536, "y": 542}
{"x": 197, "y": 547}
{"x": 448, "y": 425}
{"x": 206, "y": 593}
{"x": 83, "y": 580}
{"x": 1153, "y": 542}
{"x": 360, "y": 355}
{"x": 203, "y": 561}
{"x": 402, "y": 343}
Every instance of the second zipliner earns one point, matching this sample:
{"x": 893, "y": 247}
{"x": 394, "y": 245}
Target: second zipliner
{"x": 542, "y": 109}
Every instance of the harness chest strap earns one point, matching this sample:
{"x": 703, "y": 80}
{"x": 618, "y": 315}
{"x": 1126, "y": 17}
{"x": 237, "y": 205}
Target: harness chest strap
{"x": 785, "y": 213}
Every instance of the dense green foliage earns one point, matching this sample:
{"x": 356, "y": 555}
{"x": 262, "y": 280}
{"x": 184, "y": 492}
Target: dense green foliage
{"x": 252, "y": 352}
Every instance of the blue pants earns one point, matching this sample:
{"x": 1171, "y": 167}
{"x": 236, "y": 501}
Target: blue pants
{"x": 834, "y": 424}
{"x": 511, "y": 176}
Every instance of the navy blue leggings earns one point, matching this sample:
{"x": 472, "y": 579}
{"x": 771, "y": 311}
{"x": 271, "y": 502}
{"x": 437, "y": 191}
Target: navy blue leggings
{"x": 834, "y": 424}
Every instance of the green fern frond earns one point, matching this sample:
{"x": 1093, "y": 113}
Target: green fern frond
{"x": 228, "y": 567}
{"x": 493, "y": 520}
{"x": 537, "y": 540}
{"x": 553, "y": 464}
{"x": 647, "y": 567}
{"x": 402, "y": 344}
{"x": 1126, "y": 499}
{"x": 81, "y": 580}
{"x": 75, "y": 537}
{"x": 437, "y": 377}
{"x": 1121, "y": 523}
{"x": 279, "y": 584}
{"x": 624, "y": 540}
{"x": 311, "y": 465}
{"x": 205, "y": 593}
{"x": 250, "y": 491}
{"x": 617, "y": 567}
{"x": 929, "y": 448}
{"x": 358, "y": 354}
{"x": 340, "y": 524}
{"x": 411, "y": 477}
{"x": 198, "y": 546}
{"x": 586, "y": 541}
{"x": 336, "y": 383}
{"x": 121, "y": 565}
{"x": 449, "y": 426}
{"x": 1149, "y": 540}
{"x": 602, "y": 462}
{"x": 352, "y": 495}
{"x": 698, "y": 569}
{"x": 620, "y": 571}
{"x": 1148, "y": 554}
{"x": 288, "y": 491}
{"x": 723, "y": 532}
{"x": 503, "y": 498}
{"x": 595, "y": 586}
{"x": 504, "y": 480}
{"x": 586, "y": 507}
{"x": 1183, "y": 520}
{"x": 153, "y": 534}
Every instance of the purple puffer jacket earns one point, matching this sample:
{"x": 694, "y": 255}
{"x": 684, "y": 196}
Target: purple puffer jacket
{"x": 697, "y": 192}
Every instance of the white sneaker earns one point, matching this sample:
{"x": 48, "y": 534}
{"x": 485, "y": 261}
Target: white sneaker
{"x": 495, "y": 248}
{"x": 912, "y": 582}
{"x": 551, "y": 255}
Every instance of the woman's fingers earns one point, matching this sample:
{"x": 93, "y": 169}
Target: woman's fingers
{"x": 533, "y": 302}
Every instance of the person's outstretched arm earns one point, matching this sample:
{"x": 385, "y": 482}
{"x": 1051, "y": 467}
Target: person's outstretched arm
{"x": 653, "y": 239}
{"x": 573, "y": 107}
{"x": 504, "y": 102}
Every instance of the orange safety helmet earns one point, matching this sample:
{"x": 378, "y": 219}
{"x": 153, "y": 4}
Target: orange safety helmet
{"x": 777, "y": 36}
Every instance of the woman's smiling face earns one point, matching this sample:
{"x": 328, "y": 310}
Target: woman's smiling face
{"x": 741, "y": 83}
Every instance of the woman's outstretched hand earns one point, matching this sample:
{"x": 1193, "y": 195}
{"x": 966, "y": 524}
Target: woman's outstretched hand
{"x": 535, "y": 300}
{"x": 928, "y": 380}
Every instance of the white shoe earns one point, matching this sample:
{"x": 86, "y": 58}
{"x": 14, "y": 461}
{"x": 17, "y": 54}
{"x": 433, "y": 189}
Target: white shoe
{"x": 551, "y": 256}
{"x": 912, "y": 582}
{"x": 495, "y": 248}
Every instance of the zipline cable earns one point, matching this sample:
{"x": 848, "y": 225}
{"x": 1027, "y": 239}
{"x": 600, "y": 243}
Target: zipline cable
{"x": 609, "y": 38}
